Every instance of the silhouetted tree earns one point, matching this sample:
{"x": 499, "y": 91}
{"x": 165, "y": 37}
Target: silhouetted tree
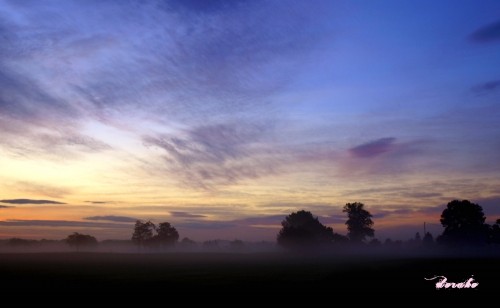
{"x": 143, "y": 232}
{"x": 211, "y": 245}
{"x": 166, "y": 235}
{"x": 416, "y": 241}
{"x": 78, "y": 240}
{"x": 340, "y": 239}
{"x": 464, "y": 223}
{"x": 302, "y": 229}
{"x": 428, "y": 239}
{"x": 16, "y": 242}
{"x": 359, "y": 222}
{"x": 392, "y": 244}
{"x": 495, "y": 233}
{"x": 375, "y": 242}
{"x": 236, "y": 245}
{"x": 188, "y": 241}
{"x": 417, "y": 237}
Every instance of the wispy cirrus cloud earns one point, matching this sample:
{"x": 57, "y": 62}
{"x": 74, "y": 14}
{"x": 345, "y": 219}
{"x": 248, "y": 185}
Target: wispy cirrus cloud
{"x": 30, "y": 201}
{"x": 43, "y": 189}
{"x": 220, "y": 154}
{"x": 84, "y": 66}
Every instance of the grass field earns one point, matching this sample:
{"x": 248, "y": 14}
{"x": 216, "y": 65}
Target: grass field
{"x": 229, "y": 279}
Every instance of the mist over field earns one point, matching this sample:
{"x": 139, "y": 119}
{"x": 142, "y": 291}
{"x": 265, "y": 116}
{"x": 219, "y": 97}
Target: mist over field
{"x": 249, "y": 152}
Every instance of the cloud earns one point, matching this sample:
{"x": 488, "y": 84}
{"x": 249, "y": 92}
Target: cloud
{"x": 261, "y": 220}
{"x": 64, "y": 65}
{"x": 488, "y": 33}
{"x": 23, "y": 99}
{"x": 206, "y": 225}
{"x": 186, "y": 215}
{"x": 378, "y": 214}
{"x": 72, "y": 141}
{"x": 97, "y": 202}
{"x": 219, "y": 154}
{"x": 422, "y": 194}
{"x": 60, "y": 223}
{"x": 265, "y": 221}
{"x": 207, "y": 7}
{"x": 384, "y": 156}
{"x": 4, "y": 207}
{"x": 112, "y": 218}
{"x": 373, "y": 148}
{"x": 487, "y": 87}
{"x": 42, "y": 189}
{"x": 275, "y": 220}
{"x": 30, "y": 201}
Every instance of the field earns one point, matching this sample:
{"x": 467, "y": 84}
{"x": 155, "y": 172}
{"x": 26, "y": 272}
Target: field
{"x": 231, "y": 278}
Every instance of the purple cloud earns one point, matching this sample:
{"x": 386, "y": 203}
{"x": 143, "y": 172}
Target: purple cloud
{"x": 30, "y": 201}
{"x": 112, "y": 218}
{"x": 264, "y": 220}
{"x": 385, "y": 156}
{"x": 421, "y": 195}
{"x": 60, "y": 223}
{"x": 373, "y": 148}
{"x": 385, "y": 213}
{"x": 186, "y": 215}
{"x": 487, "y": 87}
{"x": 207, "y": 7}
{"x": 206, "y": 225}
{"x": 488, "y": 33}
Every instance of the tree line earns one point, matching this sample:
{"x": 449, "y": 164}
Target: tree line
{"x": 463, "y": 222}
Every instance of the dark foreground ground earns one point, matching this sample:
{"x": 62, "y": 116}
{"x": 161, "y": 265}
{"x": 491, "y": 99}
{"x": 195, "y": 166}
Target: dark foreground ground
{"x": 240, "y": 279}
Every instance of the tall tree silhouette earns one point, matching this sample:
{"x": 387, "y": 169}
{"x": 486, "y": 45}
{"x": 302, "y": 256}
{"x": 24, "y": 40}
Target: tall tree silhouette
{"x": 143, "y": 232}
{"x": 463, "y": 223}
{"x": 359, "y": 222}
{"x": 166, "y": 235}
{"x": 302, "y": 229}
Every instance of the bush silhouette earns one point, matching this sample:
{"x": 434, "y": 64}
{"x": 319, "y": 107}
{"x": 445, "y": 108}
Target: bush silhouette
{"x": 302, "y": 229}
{"x": 464, "y": 224}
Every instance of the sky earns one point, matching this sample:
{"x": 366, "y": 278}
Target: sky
{"x": 222, "y": 117}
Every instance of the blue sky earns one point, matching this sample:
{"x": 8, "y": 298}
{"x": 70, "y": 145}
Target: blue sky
{"x": 234, "y": 112}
